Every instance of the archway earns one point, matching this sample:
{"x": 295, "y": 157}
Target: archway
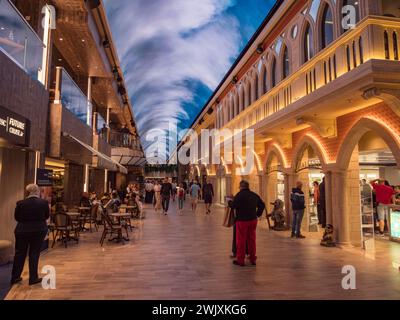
{"x": 223, "y": 184}
{"x": 275, "y": 184}
{"x": 309, "y": 167}
{"x": 369, "y": 151}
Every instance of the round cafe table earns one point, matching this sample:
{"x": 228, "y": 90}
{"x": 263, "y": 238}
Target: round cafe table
{"x": 119, "y": 217}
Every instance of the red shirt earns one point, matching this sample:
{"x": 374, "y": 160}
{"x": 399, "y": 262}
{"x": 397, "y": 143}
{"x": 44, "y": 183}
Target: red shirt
{"x": 384, "y": 193}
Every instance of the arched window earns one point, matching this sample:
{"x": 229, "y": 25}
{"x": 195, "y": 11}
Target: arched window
{"x": 350, "y": 7}
{"x": 395, "y": 46}
{"x": 386, "y": 41}
{"x": 264, "y": 80}
{"x": 286, "y": 63}
{"x": 255, "y": 89}
{"x": 248, "y": 94}
{"x": 273, "y": 72}
{"x": 237, "y": 104}
{"x": 308, "y": 43}
{"x": 327, "y": 27}
{"x": 232, "y": 106}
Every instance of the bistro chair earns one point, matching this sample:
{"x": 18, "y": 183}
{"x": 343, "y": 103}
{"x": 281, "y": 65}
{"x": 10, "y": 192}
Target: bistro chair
{"x": 85, "y": 218}
{"x": 110, "y": 228}
{"x": 92, "y": 218}
{"x": 126, "y": 221}
{"x": 63, "y": 228}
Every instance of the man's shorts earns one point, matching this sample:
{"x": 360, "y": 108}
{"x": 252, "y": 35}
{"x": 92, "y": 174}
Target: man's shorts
{"x": 195, "y": 200}
{"x": 383, "y": 212}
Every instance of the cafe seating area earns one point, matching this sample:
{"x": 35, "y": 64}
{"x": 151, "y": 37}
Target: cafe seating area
{"x": 67, "y": 226}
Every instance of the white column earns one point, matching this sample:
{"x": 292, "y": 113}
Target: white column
{"x": 89, "y": 121}
{"x": 86, "y": 179}
{"x": 105, "y": 180}
{"x": 108, "y": 124}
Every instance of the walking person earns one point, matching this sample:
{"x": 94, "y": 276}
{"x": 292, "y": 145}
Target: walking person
{"x": 181, "y": 197}
{"x": 208, "y": 194}
{"x": 298, "y": 205}
{"x": 174, "y": 190}
{"x": 194, "y": 195}
{"x": 157, "y": 197}
{"x": 31, "y": 215}
{"x": 384, "y": 197}
{"x": 249, "y": 207}
{"x": 166, "y": 193}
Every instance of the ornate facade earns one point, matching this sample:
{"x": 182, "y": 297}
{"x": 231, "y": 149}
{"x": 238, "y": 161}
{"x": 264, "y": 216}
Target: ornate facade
{"x": 320, "y": 87}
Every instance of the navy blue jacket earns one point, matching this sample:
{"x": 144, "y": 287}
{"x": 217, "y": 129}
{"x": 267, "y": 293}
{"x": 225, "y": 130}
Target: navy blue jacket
{"x": 297, "y": 199}
{"x": 31, "y": 215}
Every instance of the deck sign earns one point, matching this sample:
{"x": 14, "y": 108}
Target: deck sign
{"x": 13, "y": 127}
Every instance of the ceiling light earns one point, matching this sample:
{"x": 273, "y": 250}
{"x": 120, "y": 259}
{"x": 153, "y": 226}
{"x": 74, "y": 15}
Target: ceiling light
{"x": 61, "y": 39}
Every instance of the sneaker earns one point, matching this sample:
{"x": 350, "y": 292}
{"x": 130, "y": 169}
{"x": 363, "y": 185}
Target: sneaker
{"x": 237, "y": 263}
{"x": 292, "y": 235}
{"x": 33, "y": 282}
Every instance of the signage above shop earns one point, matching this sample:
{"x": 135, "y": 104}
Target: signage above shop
{"x": 13, "y": 127}
{"x": 44, "y": 178}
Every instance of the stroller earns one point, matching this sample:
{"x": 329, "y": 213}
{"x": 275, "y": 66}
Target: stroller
{"x": 277, "y": 216}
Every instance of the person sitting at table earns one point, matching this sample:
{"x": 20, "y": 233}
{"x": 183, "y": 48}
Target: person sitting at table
{"x": 85, "y": 201}
{"x": 113, "y": 205}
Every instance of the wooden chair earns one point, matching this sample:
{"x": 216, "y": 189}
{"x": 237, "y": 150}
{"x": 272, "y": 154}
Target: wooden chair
{"x": 92, "y": 218}
{"x": 64, "y": 227}
{"x": 110, "y": 228}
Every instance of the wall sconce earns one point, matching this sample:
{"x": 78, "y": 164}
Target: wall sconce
{"x": 235, "y": 80}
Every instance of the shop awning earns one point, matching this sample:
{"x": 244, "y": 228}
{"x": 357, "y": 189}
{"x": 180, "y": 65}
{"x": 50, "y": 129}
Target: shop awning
{"x": 120, "y": 167}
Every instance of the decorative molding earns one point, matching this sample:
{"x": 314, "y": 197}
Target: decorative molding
{"x": 390, "y": 96}
{"x": 284, "y": 140}
{"x": 326, "y": 128}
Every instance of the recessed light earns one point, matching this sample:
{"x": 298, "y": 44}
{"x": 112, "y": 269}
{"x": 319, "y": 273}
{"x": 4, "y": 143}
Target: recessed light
{"x": 83, "y": 40}
{"x": 59, "y": 59}
{"x": 61, "y": 39}
{"x": 2, "y": 28}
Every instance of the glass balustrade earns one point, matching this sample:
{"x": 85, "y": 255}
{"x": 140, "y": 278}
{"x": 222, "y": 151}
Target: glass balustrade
{"x": 19, "y": 41}
{"x": 74, "y": 99}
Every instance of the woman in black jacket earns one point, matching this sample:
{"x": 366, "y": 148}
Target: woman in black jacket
{"x": 32, "y": 215}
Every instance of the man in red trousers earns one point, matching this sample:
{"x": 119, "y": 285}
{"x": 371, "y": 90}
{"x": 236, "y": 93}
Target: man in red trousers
{"x": 248, "y": 207}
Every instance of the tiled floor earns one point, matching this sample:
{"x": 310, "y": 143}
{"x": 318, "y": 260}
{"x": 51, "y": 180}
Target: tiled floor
{"x": 187, "y": 257}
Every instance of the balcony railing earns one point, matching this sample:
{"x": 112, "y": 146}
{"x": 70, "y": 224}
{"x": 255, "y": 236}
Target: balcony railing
{"x": 124, "y": 140}
{"x": 19, "y": 41}
{"x": 375, "y": 38}
{"x": 72, "y": 97}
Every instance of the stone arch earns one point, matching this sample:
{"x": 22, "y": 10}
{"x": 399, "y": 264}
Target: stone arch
{"x": 355, "y": 134}
{"x": 304, "y": 143}
{"x": 275, "y": 150}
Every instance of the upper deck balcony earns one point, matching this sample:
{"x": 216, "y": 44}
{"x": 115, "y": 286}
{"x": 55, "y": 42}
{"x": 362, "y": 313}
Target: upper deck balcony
{"x": 19, "y": 41}
{"x": 126, "y": 148}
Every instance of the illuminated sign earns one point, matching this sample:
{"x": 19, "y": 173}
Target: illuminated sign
{"x": 13, "y": 127}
